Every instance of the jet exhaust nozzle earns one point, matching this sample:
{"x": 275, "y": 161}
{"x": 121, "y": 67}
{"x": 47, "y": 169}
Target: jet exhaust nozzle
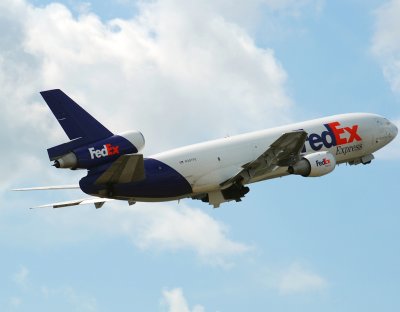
{"x": 67, "y": 161}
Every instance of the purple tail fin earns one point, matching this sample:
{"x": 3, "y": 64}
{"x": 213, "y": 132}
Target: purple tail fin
{"x": 80, "y": 127}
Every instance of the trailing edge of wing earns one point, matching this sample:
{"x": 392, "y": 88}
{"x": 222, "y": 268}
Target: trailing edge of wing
{"x": 43, "y": 188}
{"x": 98, "y": 202}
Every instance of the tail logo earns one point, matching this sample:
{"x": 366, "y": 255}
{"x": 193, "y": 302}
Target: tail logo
{"x": 107, "y": 150}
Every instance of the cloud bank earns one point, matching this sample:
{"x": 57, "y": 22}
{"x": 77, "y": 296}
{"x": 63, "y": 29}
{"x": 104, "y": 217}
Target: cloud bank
{"x": 178, "y": 71}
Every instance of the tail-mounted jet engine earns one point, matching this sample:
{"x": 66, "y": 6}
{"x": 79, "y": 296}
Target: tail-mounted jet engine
{"x": 314, "y": 165}
{"x": 100, "y": 152}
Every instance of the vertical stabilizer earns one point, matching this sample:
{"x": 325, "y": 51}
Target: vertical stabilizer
{"x": 80, "y": 127}
{"x": 76, "y": 122}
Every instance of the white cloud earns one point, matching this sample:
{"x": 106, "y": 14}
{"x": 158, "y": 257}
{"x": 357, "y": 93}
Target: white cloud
{"x": 295, "y": 279}
{"x": 173, "y": 57}
{"x": 178, "y": 227}
{"x": 182, "y": 227}
{"x": 386, "y": 41}
{"x": 161, "y": 227}
{"x": 21, "y": 277}
{"x": 176, "y": 302}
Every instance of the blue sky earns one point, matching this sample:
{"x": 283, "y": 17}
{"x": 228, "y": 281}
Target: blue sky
{"x": 183, "y": 72}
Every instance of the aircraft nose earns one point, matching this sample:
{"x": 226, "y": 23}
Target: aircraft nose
{"x": 388, "y": 131}
{"x": 393, "y": 130}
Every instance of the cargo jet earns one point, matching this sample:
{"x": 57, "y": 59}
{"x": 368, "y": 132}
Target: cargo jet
{"x": 214, "y": 172}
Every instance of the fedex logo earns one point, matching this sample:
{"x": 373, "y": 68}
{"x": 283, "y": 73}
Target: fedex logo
{"x": 108, "y": 150}
{"x": 323, "y": 162}
{"x": 333, "y": 136}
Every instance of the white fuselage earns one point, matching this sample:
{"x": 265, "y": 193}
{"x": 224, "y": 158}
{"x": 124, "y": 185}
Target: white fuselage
{"x": 206, "y": 165}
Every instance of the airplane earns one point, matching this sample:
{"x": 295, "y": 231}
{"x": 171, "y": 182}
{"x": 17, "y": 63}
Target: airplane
{"x": 214, "y": 172}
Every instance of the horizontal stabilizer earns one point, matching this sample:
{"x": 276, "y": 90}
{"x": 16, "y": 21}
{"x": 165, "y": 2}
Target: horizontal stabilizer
{"x": 44, "y": 188}
{"x": 126, "y": 169}
{"x": 98, "y": 202}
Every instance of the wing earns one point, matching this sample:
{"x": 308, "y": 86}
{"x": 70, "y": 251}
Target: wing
{"x": 127, "y": 168}
{"x": 285, "y": 151}
{"x": 98, "y": 202}
{"x": 44, "y": 188}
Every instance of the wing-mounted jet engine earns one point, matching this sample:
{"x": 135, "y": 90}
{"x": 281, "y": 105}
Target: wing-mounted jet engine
{"x": 314, "y": 165}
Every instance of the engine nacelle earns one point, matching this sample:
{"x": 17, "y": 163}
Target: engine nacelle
{"x": 103, "y": 151}
{"x": 135, "y": 137}
{"x": 314, "y": 165}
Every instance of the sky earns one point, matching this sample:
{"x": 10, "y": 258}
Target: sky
{"x": 183, "y": 72}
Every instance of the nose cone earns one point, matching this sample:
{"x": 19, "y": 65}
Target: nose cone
{"x": 386, "y": 133}
{"x": 393, "y": 130}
